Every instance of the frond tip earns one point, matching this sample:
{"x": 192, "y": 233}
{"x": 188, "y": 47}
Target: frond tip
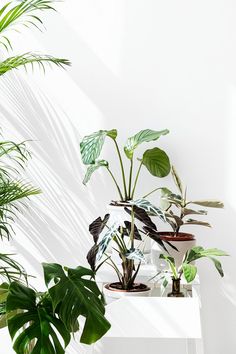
{"x": 31, "y": 58}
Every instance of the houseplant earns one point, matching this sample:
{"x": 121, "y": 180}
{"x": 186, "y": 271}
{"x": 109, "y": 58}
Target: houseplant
{"x": 43, "y": 322}
{"x": 21, "y": 14}
{"x": 178, "y": 211}
{"x": 187, "y": 269}
{"x": 122, "y": 236}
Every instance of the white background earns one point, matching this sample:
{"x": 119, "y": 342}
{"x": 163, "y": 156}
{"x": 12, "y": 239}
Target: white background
{"x": 136, "y": 64}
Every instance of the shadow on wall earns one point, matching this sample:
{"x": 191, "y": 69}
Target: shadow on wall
{"x": 55, "y": 228}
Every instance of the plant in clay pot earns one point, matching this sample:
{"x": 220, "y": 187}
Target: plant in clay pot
{"x": 187, "y": 269}
{"x": 178, "y": 211}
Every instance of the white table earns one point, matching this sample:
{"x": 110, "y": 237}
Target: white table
{"x": 151, "y": 325}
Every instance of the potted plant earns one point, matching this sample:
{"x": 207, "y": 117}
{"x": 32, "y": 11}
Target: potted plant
{"x": 123, "y": 237}
{"x": 187, "y": 269}
{"x": 155, "y": 160}
{"x": 178, "y": 211}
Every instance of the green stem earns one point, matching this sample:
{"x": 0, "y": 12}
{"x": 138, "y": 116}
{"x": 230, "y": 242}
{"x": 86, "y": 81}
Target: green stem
{"x": 136, "y": 180}
{"x": 132, "y": 229}
{"x": 122, "y": 169}
{"x": 154, "y": 190}
{"x": 117, "y": 186}
{"x": 130, "y": 177}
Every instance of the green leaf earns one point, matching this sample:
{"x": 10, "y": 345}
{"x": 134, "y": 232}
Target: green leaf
{"x": 208, "y": 203}
{"x": 91, "y": 145}
{"x": 149, "y": 208}
{"x": 92, "y": 168}
{"x": 177, "y": 180}
{"x": 164, "y": 203}
{"x": 31, "y": 59}
{"x": 74, "y": 294}
{"x": 217, "y": 265}
{"x": 157, "y": 162}
{"x": 199, "y": 252}
{"x": 170, "y": 260}
{"x": 37, "y": 322}
{"x": 194, "y": 212}
{"x": 196, "y": 222}
{"x": 135, "y": 254}
{"x": 189, "y": 271}
{"x": 146, "y": 135}
{"x": 4, "y": 289}
{"x": 106, "y": 239}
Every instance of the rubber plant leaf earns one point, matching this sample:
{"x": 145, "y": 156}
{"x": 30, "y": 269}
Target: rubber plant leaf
{"x": 208, "y": 203}
{"x": 157, "y": 162}
{"x": 146, "y": 136}
{"x": 37, "y": 322}
{"x": 149, "y": 208}
{"x": 92, "y": 168}
{"x": 177, "y": 180}
{"x": 74, "y": 293}
{"x": 91, "y": 145}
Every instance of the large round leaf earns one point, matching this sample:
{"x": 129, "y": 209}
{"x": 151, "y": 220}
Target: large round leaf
{"x": 91, "y": 145}
{"x": 145, "y": 135}
{"x": 157, "y": 162}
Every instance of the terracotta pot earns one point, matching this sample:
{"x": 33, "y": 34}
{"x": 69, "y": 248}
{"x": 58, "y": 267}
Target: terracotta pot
{"x": 183, "y": 242}
{"x": 113, "y": 291}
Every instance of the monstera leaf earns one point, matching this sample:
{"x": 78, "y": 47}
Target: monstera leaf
{"x": 157, "y": 162}
{"x": 91, "y": 145}
{"x": 92, "y": 168}
{"x": 74, "y": 293}
{"x": 37, "y": 323}
{"x": 143, "y": 136}
{"x": 149, "y": 208}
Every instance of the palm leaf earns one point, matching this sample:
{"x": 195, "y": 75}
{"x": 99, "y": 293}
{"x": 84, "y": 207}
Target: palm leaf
{"x": 10, "y": 269}
{"x": 12, "y": 194}
{"x": 23, "y": 13}
{"x": 30, "y": 59}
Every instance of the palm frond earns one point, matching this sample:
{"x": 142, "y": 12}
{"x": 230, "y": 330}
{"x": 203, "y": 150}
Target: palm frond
{"x": 30, "y": 58}
{"x": 23, "y": 13}
{"x": 14, "y": 153}
{"x": 10, "y": 269}
{"x": 12, "y": 195}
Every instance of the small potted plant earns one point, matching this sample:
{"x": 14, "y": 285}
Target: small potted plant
{"x": 187, "y": 269}
{"x": 178, "y": 211}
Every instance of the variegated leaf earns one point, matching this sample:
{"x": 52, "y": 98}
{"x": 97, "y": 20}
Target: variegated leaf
{"x": 106, "y": 239}
{"x": 92, "y": 168}
{"x": 91, "y": 145}
{"x": 146, "y": 135}
{"x": 208, "y": 203}
{"x": 177, "y": 180}
{"x": 149, "y": 208}
{"x": 135, "y": 254}
{"x": 196, "y": 222}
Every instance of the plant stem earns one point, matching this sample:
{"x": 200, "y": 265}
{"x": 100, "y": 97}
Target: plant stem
{"x": 130, "y": 177}
{"x": 122, "y": 169}
{"x": 132, "y": 229}
{"x": 136, "y": 180}
{"x": 117, "y": 186}
{"x": 154, "y": 190}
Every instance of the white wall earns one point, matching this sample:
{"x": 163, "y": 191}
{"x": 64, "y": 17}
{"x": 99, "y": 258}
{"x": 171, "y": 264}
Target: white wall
{"x": 136, "y": 64}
